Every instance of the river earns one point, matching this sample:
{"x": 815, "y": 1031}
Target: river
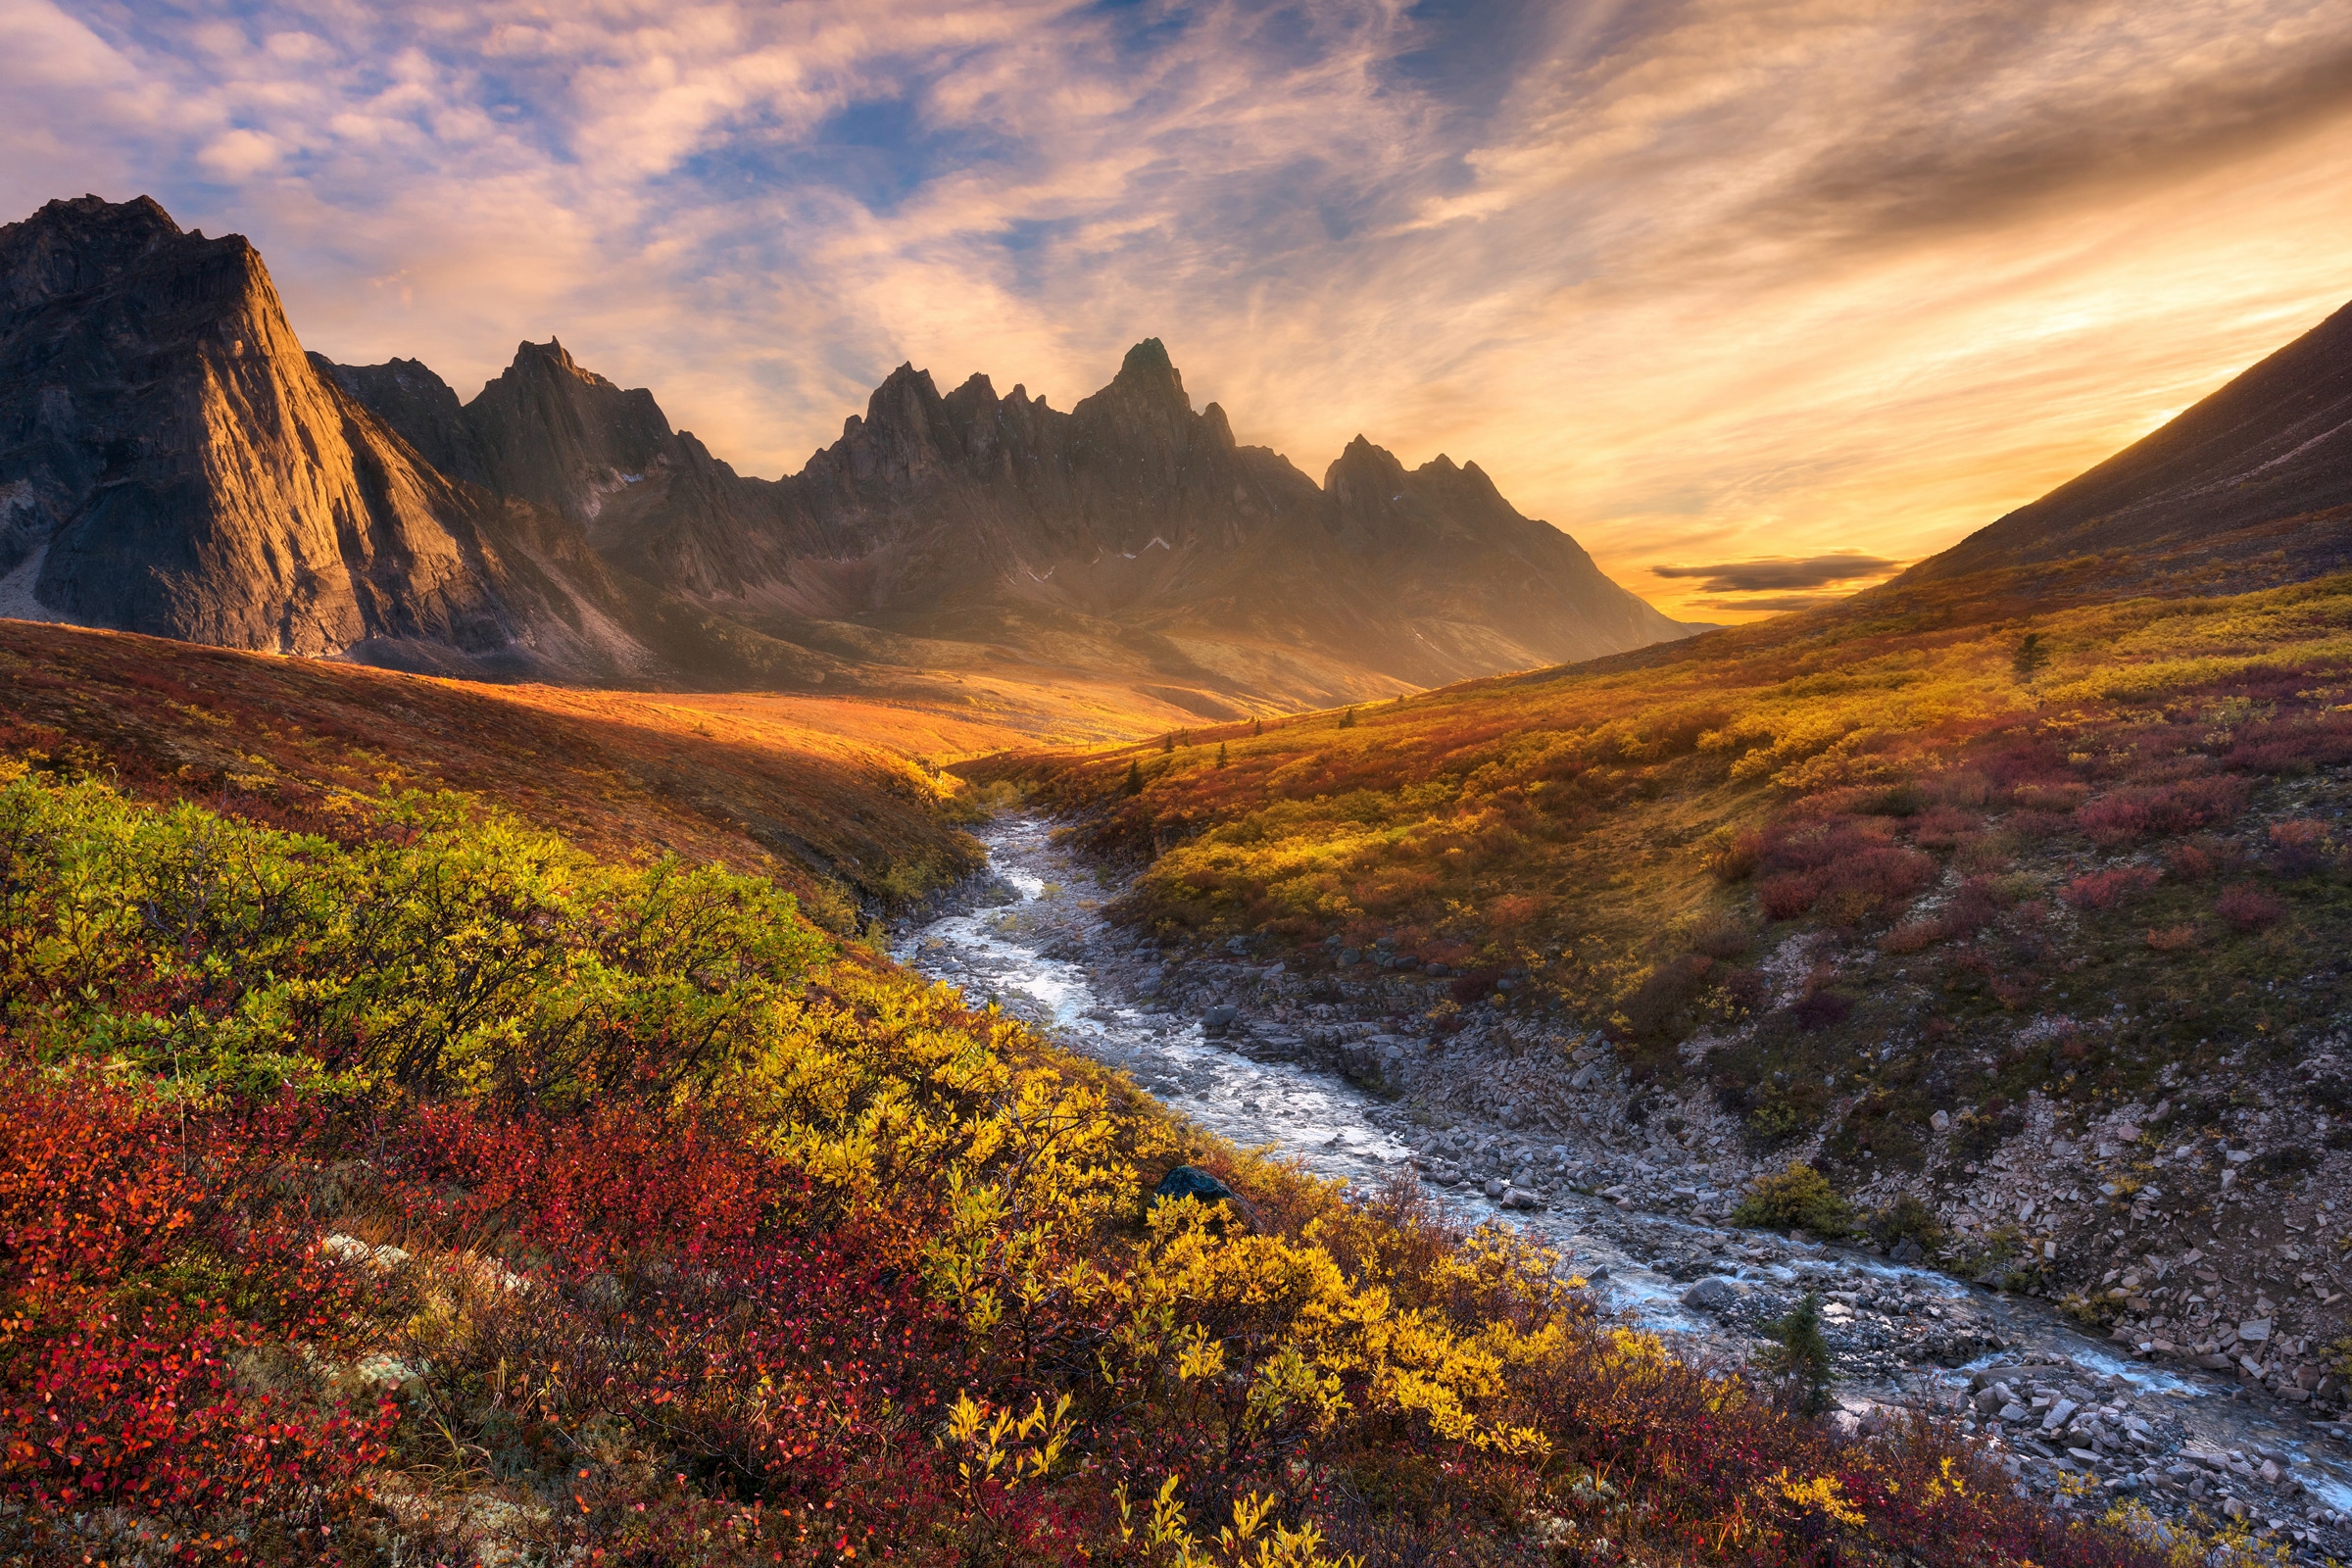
{"x": 1034, "y": 939}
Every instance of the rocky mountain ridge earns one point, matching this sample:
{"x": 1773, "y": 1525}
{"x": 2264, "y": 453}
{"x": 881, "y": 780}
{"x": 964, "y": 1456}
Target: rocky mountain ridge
{"x": 1130, "y": 529}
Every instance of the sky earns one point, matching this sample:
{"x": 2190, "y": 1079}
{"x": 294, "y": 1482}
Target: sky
{"x": 1758, "y": 300}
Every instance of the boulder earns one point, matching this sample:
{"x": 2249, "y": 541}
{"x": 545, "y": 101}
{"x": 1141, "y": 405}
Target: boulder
{"x": 1219, "y": 1018}
{"x": 1711, "y": 1295}
{"x": 1190, "y": 1181}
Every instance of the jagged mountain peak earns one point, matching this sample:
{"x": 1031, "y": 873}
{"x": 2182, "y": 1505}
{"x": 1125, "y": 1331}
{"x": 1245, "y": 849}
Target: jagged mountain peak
{"x": 552, "y": 357}
{"x": 1148, "y": 371}
{"x": 1130, "y": 534}
{"x": 74, "y": 246}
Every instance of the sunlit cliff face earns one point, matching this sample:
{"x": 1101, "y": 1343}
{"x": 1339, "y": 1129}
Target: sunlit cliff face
{"x": 1753, "y": 293}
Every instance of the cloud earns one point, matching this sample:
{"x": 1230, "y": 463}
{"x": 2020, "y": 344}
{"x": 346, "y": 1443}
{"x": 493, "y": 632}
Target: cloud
{"x": 1770, "y": 573}
{"x": 1769, "y": 603}
{"x": 1715, "y": 280}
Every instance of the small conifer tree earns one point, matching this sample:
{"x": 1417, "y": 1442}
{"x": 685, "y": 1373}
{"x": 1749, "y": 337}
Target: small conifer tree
{"x": 1167, "y": 742}
{"x": 1257, "y": 727}
{"x": 1798, "y": 1359}
{"x": 2030, "y": 655}
{"x": 1348, "y": 719}
{"x": 1135, "y": 778}
{"x": 1220, "y": 753}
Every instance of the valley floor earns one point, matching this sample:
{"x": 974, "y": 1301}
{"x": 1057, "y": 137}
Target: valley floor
{"x": 1527, "y": 1121}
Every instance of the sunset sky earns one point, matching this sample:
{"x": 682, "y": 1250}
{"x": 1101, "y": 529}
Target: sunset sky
{"x": 1758, "y": 300}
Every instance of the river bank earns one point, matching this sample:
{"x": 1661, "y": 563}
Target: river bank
{"x": 1353, "y": 1088}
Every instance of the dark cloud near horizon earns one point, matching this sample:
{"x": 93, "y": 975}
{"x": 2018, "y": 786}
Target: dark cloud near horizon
{"x": 1770, "y": 605}
{"x": 1780, "y": 573}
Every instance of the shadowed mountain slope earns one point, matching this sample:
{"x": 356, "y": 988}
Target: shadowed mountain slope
{"x": 2253, "y": 484}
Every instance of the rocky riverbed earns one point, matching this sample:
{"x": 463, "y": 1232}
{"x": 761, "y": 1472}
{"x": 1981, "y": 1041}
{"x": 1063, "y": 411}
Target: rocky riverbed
{"x": 1530, "y": 1124}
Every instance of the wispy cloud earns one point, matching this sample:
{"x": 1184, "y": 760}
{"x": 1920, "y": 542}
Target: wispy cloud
{"x": 1700, "y": 281}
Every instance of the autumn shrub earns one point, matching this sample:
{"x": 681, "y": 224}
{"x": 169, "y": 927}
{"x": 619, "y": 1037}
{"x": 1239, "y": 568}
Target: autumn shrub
{"x": 129, "y": 1298}
{"x": 1908, "y": 1218}
{"x": 1730, "y": 855}
{"x": 2104, "y": 890}
{"x": 1942, "y": 827}
{"x": 2248, "y": 908}
{"x": 2301, "y": 846}
{"x": 1798, "y": 1198}
{"x": 442, "y": 950}
{"x": 1720, "y": 937}
{"x": 2123, "y": 817}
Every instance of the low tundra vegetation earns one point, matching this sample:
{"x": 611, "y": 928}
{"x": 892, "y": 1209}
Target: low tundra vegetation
{"x": 418, "y": 1189}
{"x": 1903, "y": 857}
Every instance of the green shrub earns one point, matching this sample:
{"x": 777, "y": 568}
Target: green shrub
{"x": 444, "y": 950}
{"x": 1799, "y": 1197}
{"x": 1908, "y": 1217}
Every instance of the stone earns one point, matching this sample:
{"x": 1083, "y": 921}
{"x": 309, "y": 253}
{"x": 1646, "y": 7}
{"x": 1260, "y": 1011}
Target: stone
{"x": 1711, "y": 1295}
{"x": 2059, "y": 1414}
{"x": 2255, "y": 1330}
{"x": 1190, "y": 1181}
{"x": 1494, "y": 1187}
{"x": 1941, "y": 1121}
{"x": 1219, "y": 1018}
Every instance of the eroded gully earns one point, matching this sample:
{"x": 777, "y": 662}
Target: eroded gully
{"x": 1031, "y": 936}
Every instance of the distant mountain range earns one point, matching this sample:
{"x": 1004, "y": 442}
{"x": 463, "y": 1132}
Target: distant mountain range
{"x": 171, "y": 461}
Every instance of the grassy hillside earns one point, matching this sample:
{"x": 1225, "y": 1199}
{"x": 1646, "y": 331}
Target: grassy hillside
{"x": 428, "y": 1189}
{"x": 817, "y": 799}
{"x": 1857, "y": 854}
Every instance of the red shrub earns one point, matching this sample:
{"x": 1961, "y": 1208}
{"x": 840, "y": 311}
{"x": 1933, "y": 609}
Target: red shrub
{"x": 1789, "y": 895}
{"x": 1871, "y": 880}
{"x": 2113, "y": 819}
{"x": 2300, "y": 847}
{"x": 2104, "y": 890}
{"x": 2248, "y": 908}
{"x": 2123, "y": 816}
{"x": 2292, "y": 745}
{"x": 116, "y": 1386}
{"x": 586, "y": 1194}
{"x": 1939, "y": 827}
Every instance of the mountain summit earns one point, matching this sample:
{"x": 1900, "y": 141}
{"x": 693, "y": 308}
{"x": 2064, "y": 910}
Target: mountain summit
{"x": 175, "y": 463}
